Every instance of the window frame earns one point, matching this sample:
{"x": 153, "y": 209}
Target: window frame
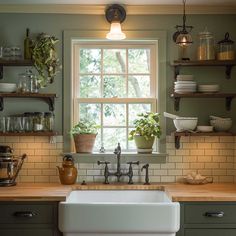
{"x": 158, "y": 37}
{"x": 152, "y": 99}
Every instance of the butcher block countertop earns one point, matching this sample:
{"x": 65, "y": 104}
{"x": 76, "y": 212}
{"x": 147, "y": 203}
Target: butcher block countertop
{"x": 177, "y": 192}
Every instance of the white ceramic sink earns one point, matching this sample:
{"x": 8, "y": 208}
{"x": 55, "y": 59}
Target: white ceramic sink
{"x": 112, "y": 212}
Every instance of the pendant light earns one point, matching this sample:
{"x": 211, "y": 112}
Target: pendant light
{"x": 115, "y": 14}
{"x": 182, "y": 36}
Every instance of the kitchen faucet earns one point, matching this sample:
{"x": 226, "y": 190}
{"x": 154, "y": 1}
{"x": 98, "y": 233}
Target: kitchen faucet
{"x": 118, "y": 173}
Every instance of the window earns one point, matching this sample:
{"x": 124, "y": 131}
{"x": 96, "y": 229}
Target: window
{"x": 112, "y": 83}
{"x": 112, "y": 90}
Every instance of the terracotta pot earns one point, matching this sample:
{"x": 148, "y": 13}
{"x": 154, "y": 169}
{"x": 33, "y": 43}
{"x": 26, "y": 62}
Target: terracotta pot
{"x": 142, "y": 143}
{"x": 84, "y": 142}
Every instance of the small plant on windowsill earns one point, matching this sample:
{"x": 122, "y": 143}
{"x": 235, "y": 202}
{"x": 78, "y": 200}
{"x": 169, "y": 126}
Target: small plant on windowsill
{"x": 146, "y": 128}
{"x": 84, "y": 134}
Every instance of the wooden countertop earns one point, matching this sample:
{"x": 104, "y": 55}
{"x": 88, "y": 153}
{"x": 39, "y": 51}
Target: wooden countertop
{"x": 177, "y": 192}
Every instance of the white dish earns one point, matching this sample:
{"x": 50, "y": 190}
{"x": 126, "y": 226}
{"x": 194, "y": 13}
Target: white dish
{"x": 7, "y": 87}
{"x": 221, "y": 125}
{"x": 185, "y": 123}
{"x": 185, "y": 82}
{"x": 205, "y": 128}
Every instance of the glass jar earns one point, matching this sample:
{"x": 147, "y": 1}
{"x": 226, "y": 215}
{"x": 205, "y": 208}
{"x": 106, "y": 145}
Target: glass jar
{"x": 206, "y": 50}
{"x": 226, "y": 49}
{"x": 28, "y": 124}
{"x": 38, "y": 121}
{"x": 48, "y": 121}
{"x": 34, "y": 84}
{"x": 23, "y": 83}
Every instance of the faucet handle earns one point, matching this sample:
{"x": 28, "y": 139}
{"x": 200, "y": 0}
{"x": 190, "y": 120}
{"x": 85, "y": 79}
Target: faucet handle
{"x": 103, "y": 163}
{"x": 133, "y": 162}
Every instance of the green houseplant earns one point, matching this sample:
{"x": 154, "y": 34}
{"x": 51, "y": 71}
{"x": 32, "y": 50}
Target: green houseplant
{"x": 146, "y": 128}
{"x": 84, "y": 134}
{"x": 45, "y": 58}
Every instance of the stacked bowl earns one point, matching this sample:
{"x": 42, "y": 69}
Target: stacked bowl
{"x": 208, "y": 88}
{"x": 185, "y": 84}
{"x": 7, "y": 87}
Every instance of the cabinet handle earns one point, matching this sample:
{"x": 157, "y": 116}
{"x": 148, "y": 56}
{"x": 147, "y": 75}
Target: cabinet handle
{"x": 24, "y": 214}
{"x": 217, "y": 214}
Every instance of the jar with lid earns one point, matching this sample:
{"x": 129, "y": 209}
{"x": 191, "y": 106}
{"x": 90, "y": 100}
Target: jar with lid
{"x": 48, "y": 121}
{"x": 226, "y": 49}
{"x": 38, "y": 121}
{"x": 206, "y": 50}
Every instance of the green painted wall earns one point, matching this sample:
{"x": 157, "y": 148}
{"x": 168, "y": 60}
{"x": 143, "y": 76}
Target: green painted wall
{"x": 13, "y": 27}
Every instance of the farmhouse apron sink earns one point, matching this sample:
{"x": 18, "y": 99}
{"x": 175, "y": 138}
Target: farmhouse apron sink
{"x": 114, "y": 212}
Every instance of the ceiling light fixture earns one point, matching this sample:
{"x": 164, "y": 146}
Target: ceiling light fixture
{"x": 182, "y": 36}
{"x": 115, "y": 14}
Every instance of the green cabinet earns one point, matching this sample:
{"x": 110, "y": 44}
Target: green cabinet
{"x": 29, "y": 219}
{"x": 207, "y": 219}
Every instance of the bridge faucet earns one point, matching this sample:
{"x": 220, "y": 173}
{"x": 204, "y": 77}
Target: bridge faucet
{"x": 118, "y": 172}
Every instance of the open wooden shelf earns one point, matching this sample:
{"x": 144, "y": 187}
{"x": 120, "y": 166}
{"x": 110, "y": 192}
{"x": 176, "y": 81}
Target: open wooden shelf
{"x": 49, "y": 98}
{"x": 228, "y": 64}
{"x": 29, "y": 134}
{"x": 4, "y": 62}
{"x": 178, "y": 135}
{"x": 228, "y": 97}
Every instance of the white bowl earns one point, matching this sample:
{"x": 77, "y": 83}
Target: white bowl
{"x": 221, "y": 125}
{"x": 7, "y": 87}
{"x": 185, "y": 123}
{"x": 205, "y": 128}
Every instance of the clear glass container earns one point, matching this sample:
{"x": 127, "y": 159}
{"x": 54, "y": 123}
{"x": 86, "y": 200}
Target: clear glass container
{"x": 226, "y": 49}
{"x": 206, "y": 49}
{"x": 38, "y": 121}
{"x": 34, "y": 88}
{"x": 23, "y": 85}
{"x": 48, "y": 121}
{"x": 28, "y": 124}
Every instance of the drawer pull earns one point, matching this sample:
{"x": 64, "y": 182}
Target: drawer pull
{"x": 217, "y": 214}
{"x": 24, "y": 214}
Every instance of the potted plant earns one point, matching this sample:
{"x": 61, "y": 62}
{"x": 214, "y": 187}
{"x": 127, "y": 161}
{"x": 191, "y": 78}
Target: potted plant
{"x": 147, "y": 127}
{"x": 45, "y": 58}
{"x": 84, "y": 134}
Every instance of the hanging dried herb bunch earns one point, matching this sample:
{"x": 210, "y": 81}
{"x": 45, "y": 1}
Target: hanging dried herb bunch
{"x": 45, "y": 58}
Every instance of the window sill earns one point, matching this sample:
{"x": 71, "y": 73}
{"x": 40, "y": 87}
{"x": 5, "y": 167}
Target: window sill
{"x": 125, "y": 157}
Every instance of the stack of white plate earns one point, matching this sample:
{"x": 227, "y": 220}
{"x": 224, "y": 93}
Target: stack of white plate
{"x": 7, "y": 87}
{"x": 185, "y": 84}
{"x": 209, "y": 88}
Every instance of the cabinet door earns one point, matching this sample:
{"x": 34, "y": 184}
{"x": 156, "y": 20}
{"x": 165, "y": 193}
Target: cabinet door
{"x": 27, "y": 213}
{"x": 26, "y": 232}
{"x": 209, "y": 232}
{"x": 197, "y": 213}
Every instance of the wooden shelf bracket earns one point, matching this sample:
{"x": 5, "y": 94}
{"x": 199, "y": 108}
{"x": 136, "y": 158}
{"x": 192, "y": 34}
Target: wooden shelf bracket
{"x": 1, "y": 104}
{"x": 176, "y": 103}
{"x": 177, "y": 142}
{"x": 51, "y": 103}
{"x": 228, "y": 101}
{"x": 1, "y": 72}
{"x": 228, "y": 70}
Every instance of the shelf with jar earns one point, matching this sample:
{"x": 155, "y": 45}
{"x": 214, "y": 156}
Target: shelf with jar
{"x": 28, "y": 124}
{"x": 228, "y": 64}
{"x": 20, "y": 62}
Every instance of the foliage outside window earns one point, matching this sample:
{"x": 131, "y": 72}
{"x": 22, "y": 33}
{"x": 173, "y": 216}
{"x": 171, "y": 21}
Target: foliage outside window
{"x": 112, "y": 84}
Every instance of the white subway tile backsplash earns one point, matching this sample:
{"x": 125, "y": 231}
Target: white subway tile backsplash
{"x": 209, "y": 156}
